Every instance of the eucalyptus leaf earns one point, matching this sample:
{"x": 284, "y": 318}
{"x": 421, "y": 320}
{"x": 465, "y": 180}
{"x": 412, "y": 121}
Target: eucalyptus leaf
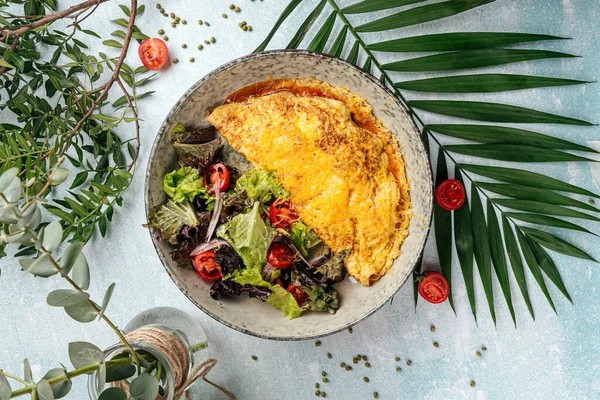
{"x": 81, "y": 272}
{"x": 69, "y": 257}
{"x": 534, "y": 267}
{"x": 52, "y": 236}
{"x": 419, "y": 15}
{"x": 525, "y": 178}
{"x": 83, "y": 354}
{"x": 66, "y": 297}
{"x": 463, "y": 238}
{"x": 5, "y": 389}
{"x": 12, "y": 192}
{"x": 144, "y": 387}
{"x": 377, "y": 5}
{"x": 27, "y": 371}
{"x": 499, "y": 257}
{"x": 106, "y": 299}
{"x": 59, "y": 175}
{"x": 44, "y": 390}
{"x": 471, "y": 59}
{"x": 40, "y": 266}
{"x": 82, "y": 312}
{"x": 101, "y": 377}
{"x": 481, "y": 248}
{"x": 114, "y": 393}
{"x": 555, "y": 243}
{"x": 31, "y": 216}
{"x": 120, "y": 372}
{"x": 483, "y": 83}
{"x": 62, "y": 388}
{"x": 457, "y": 41}
{"x": 443, "y": 228}
{"x": 503, "y": 134}
{"x": 7, "y": 178}
{"x": 493, "y": 112}
{"x": 306, "y": 25}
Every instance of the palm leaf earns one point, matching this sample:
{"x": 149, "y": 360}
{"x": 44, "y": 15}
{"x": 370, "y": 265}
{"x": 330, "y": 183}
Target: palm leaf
{"x": 471, "y": 59}
{"x": 367, "y": 65}
{"x": 286, "y": 13}
{"x": 516, "y": 262}
{"x": 338, "y": 46}
{"x": 443, "y": 228}
{"x": 483, "y": 83}
{"x": 493, "y": 112}
{"x": 353, "y": 56}
{"x": 503, "y": 134}
{"x": 377, "y": 5}
{"x": 306, "y": 25}
{"x": 463, "y": 237}
{"x": 549, "y": 268}
{"x": 514, "y": 152}
{"x": 533, "y": 266}
{"x": 525, "y": 178}
{"x": 422, "y": 14}
{"x": 481, "y": 249}
{"x": 529, "y": 193}
{"x": 542, "y": 208}
{"x": 555, "y": 243}
{"x": 499, "y": 258}
{"x": 457, "y": 41}
{"x": 320, "y": 39}
{"x": 545, "y": 220}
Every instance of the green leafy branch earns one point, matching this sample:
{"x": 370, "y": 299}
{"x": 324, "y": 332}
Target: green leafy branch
{"x": 477, "y": 233}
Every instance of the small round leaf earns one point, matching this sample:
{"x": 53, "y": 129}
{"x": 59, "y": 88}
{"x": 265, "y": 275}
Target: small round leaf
{"x": 66, "y": 297}
{"x": 82, "y": 312}
{"x": 144, "y": 387}
{"x": 41, "y": 266}
{"x": 59, "y": 176}
{"x": 12, "y": 191}
{"x": 7, "y": 177}
{"x": 113, "y": 394}
{"x": 62, "y": 388}
{"x": 44, "y": 390}
{"x": 83, "y": 354}
{"x": 69, "y": 257}
{"x": 52, "y": 236}
{"x": 101, "y": 377}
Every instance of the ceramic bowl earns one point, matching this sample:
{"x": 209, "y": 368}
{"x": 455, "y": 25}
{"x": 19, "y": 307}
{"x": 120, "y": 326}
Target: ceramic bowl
{"x": 357, "y": 302}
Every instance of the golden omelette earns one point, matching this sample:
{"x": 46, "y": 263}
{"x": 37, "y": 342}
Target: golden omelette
{"x": 343, "y": 168}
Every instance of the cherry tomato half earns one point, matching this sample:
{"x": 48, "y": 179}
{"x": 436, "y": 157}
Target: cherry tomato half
{"x": 282, "y": 214}
{"x": 277, "y": 281}
{"x": 280, "y": 255}
{"x": 206, "y": 266}
{"x": 299, "y": 295}
{"x": 450, "y": 194}
{"x": 217, "y": 177}
{"x": 434, "y": 287}
{"x": 153, "y": 53}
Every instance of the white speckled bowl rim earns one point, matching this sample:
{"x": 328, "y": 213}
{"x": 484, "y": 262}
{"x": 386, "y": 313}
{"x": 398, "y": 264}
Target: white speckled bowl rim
{"x": 163, "y": 130}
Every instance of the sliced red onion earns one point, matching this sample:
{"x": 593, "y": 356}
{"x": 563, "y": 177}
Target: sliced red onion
{"x": 215, "y": 215}
{"x": 209, "y": 246}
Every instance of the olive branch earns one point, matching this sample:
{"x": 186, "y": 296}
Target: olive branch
{"x": 508, "y": 195}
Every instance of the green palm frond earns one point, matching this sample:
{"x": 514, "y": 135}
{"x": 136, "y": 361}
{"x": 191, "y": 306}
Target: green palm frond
{"x": 504, "y": 226}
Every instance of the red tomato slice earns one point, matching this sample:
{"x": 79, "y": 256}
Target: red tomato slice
{"x": 282, "y": 214}
{"x": 299, "y": 295}
{"x": 434, "y": 287}
{"x": 280, "y": 255}
{"x": 450, "y": 194}
{"x": 277, "y": 281}
{"x": 154, "y": 53}
{"x": 217, "y": 177}
{"x": 206, "y": 266}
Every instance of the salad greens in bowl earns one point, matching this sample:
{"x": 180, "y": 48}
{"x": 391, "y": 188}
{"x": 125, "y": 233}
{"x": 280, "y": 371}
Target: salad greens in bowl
{"x": 227, "y": 232}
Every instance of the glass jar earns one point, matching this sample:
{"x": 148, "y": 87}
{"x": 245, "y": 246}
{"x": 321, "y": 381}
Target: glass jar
{"x": 168, "y": 319}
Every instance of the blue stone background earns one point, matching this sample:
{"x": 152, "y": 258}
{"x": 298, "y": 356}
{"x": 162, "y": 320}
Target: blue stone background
{"x": 554, "y": 357}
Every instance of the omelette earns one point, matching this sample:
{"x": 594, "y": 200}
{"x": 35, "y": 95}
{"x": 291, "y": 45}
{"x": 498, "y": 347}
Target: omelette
{"x": 342, "y": 166}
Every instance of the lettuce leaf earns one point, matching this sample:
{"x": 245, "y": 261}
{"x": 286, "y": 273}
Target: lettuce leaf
{"x": 184, "y": 184}
{"x": 279, "y": 298}
{"x": 171, "y": 217}
{"x": 249, "y": 236}
{"x": 303, "y": 238}
{"x": 262, "y": 186}
{"x": 322, "y": 299}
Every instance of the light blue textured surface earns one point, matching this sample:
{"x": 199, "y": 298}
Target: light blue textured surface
{"x": 553, "y": 357}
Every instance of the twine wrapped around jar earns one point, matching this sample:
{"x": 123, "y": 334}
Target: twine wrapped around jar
{"x": 179, "y": 356}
